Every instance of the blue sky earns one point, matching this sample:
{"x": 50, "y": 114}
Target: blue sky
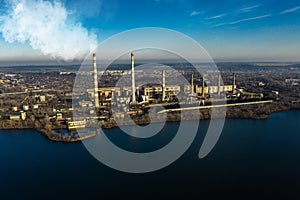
{"x": 231, "y": 30}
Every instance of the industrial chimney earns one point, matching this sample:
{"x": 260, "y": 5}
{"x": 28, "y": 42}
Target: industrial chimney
{"x": 96, "y": 94}
{"x": 163, "y": 85}
{"x": 132, "y": 78}
{"x": 192, "y": 82}
{"x": 233, "y": 83}
{"x": 203, "y": 86}
{"x": 219, "y": 85}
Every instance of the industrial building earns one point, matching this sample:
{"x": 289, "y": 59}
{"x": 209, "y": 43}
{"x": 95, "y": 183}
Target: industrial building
{"x": 213, "y": 89}
{"x": 76, "y": 124}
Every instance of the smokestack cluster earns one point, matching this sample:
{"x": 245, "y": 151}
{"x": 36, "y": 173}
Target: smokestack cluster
{"x": 163, "y": 85}
{"x": 96, "y": 94}
{"x": 132, "y": 79}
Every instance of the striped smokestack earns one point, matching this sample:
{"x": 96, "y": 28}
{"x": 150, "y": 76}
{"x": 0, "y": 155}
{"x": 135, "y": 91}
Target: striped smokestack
{"x": 163, "y": 84}
{"x": 192, "y": 82}
{"x": 203, "y": 87}
{"x": 233, "y": 83}
{"x": 96, "y": 94}
{"x": 132, "y": 78}
{"x": 219, "y": 85}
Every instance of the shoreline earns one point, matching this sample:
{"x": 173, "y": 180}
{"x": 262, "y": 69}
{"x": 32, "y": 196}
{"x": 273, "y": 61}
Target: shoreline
{"x": 260, "y": 112}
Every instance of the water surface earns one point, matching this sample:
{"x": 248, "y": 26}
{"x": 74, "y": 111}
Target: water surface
{"x": 252, "y": 159}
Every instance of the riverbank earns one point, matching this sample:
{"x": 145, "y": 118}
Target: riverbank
{"x": 51, "y": 135}
{"x": 257, "y": 111}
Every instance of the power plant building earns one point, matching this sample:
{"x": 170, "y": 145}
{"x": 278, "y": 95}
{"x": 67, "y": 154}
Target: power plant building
{"x": 167, "y": 90}
{"x": 213, "y": 89}
{"x": 103, "y": 96}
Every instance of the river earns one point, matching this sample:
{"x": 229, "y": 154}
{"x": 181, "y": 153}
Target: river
{"x": 252, "y": 159}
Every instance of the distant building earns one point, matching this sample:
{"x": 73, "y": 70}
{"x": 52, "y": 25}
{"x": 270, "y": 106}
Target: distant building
{"x": 86, "y": 104}
{"x": 14, "y": 117}
{"x": 275, "y": 92}
{"x": 76, "y": 124}
{"x": 253, "y": 95}
{"x": 261, "y": 84}
{"x": 14, "y": 108}
{"x": 293, "y": 82}
{"x": 42, "y": 98}
{"x": 25, "y": 107}
{"x": 213, "y": 89}
{"x": 23, "y": 115}
{"x": 145, "y": 98}
{"x": 59, "y": 116}
{"x": 150, "y": 91}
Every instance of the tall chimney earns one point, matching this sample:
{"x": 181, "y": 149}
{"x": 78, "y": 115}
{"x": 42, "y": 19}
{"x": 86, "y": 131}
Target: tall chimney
{"x": 96, "y": 94}
{"x": 233, "y": 84}
{"x": 219, "y": 85}
{"x": 163, "y": 85}
{"x": 132, "y": 78}
{"x": 192, "y": 82}
{"x": 203, "y": 87}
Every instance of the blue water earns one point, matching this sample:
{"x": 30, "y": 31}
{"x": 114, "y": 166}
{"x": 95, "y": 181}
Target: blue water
{"x": 253, "y": 159}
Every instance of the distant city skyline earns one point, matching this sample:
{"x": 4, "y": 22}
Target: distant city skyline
{"x": 266, "y": 30}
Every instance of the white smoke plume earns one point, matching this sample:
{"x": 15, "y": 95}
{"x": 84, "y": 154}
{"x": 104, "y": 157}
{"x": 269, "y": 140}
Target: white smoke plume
{"x": 46, "y": 27}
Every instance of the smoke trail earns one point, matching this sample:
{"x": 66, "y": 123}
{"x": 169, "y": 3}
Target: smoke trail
{"x": 46, "y": 27}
